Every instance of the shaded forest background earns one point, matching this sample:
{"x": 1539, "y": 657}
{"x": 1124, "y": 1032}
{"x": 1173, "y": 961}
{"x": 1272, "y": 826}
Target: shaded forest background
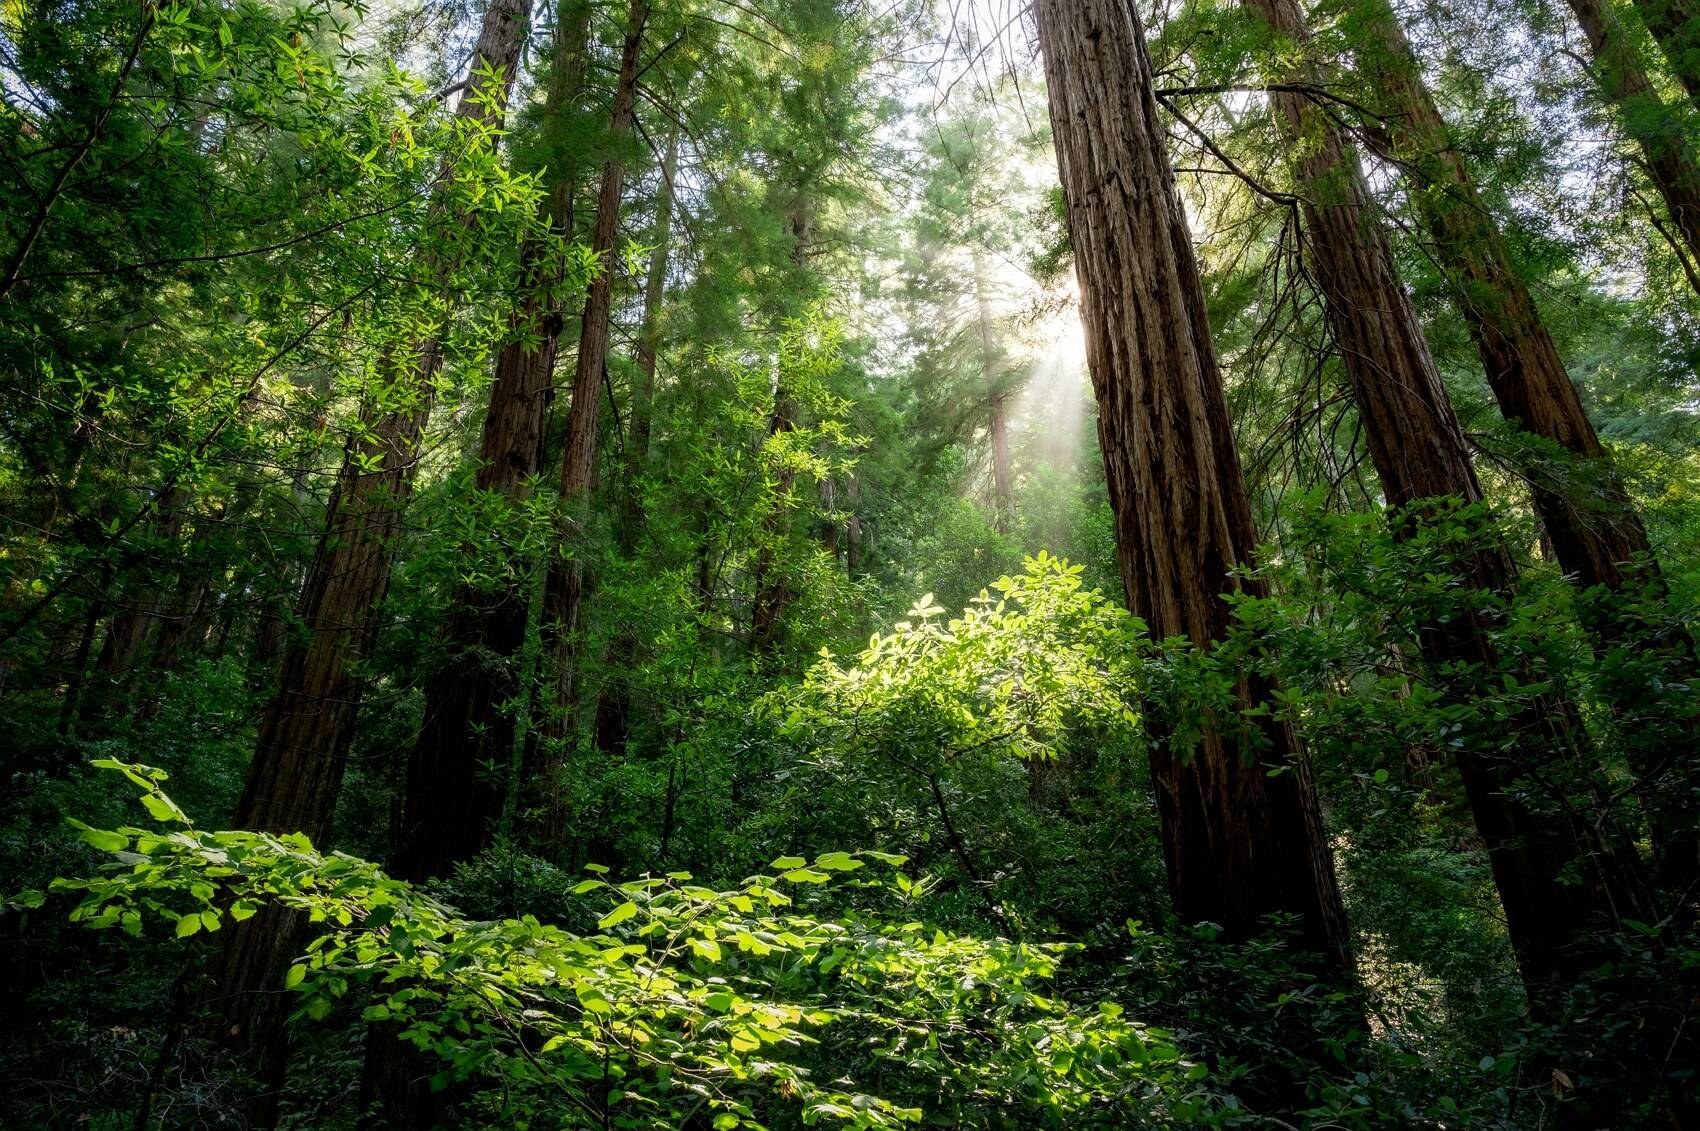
{"x": 762, "y": 563}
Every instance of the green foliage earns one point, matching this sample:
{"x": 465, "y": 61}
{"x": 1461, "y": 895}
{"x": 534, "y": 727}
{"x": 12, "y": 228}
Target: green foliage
{"x": 723, "y": 1003}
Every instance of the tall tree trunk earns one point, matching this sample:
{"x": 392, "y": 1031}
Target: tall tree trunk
{"x": 772, "y": 590}
{"x": 1594, "y": 531}
{"x": 1675, "y": 24}
{"x": 1003, "y": 485}
{"x": 301, "y": 755}
{"x": 1666, "y": 143}
{"x": 134, "y": 626}
{"x": 997, "y": 422}
{"x": 853, "y": 525}
{"x": 1420, "y": 454}
{"x": 565, "y": 587}
{"x": 1240, "y": 841}
{"x": 458, "y": 772}
{"x": 614, "y": 697}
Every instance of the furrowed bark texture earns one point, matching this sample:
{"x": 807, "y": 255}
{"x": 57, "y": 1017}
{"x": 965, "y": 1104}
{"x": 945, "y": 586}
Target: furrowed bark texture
{"x": 458, "y": 771}
{"x": 1594, "y": 530}
{"x": 1239, "y": 843}
{"x": 564, "y": 592}
{"x": 302, "y": 752}
{"x": 1420, "y": 454}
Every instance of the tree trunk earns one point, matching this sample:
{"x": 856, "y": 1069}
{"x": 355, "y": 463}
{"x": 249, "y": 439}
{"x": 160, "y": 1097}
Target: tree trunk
{"x": 1666, "y": 145}
{"x": 565, "y": 588}
{"x": 772, "y": 589}
{"x": 134, "y": 627}
{"x": 853, "y": 526}
{"x": 1420, "y": 454}
{"x": 1594, "y": 531}
{"x": 614, "y": 698}
{"x": 1675, "y": 24}
{"x": 301, "y": 754}
{"x": 1003, "y": 488}
{"x": 1240, "y": 842}
{"x": 458, "y": 772}
{"x": 997, "y": 414}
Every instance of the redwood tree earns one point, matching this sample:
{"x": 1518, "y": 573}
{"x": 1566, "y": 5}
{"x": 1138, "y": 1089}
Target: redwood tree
{"x": 1592, "y": 527}
{"x": 298, "y": 763}
{"x": 1549, "y": 875}
{"x": 1242, "y": 831}
{"x": 565, "y": 587}
{"x": 1666, "y": 146}
{"x": 450, "y": 798}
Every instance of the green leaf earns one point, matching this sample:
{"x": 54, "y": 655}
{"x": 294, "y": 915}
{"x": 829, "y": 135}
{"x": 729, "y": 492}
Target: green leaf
{"x": 161, "y": 808}
{"x": 297, "y": 974}
{"x": 617, "y": 916}
{"x": 105, "y": 841}
{"x": 806, "y": 876}
{"x": 188, "y": 925}
{"x": 787, "y": 862}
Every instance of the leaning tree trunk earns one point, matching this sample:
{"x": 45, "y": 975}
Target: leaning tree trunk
{"x": 1666, "y": 143}
{"x": 1240, "y": 841}
{"x": 451, "y": 797}
{"x": 1675, "y": 24}
{"x": 564, "y": 592}
{"x": 1595, "y": 532}
{"x": 1552, "y": 887}
{"x": 298, "y": 763}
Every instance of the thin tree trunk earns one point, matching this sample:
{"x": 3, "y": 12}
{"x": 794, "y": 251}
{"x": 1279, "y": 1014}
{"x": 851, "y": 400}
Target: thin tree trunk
{"x": 457, "y": 775}
{"x": 772, "y": 589}
{"x": 1420, "y": 454}
{"x": 997, "y": 423}
{"x": 1675, "y": 24}
{"x": 1594, "y": 531}
{"x": 1240, "y": 841}
{"x": 133, "y": 628}
{"x": 564, "y": 593}
{"x": 1661, "y": 132}
{"x": 853, "y": 525}
{"x": 614, "y": 699}
{"x": 298, "y": 763}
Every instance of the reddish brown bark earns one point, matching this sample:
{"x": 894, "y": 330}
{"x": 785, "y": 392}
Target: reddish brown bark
{"x": 564, "y": 591}
{"x": 1667, "y": 145}
{"x": 458, "y": 771}
{"x": 1595, "y": 532}
{"x": 299, "y": 761}
{"x": 1551, "y": 882}
{"x": 1240, "y": 842}
{"x": 614, "y": 697}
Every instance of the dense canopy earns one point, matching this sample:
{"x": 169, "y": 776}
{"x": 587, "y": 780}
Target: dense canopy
{"x": 709, "y": 564}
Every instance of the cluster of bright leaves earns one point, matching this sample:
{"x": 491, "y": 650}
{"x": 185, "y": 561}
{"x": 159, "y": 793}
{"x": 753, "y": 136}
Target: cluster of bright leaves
{"x": 730, "y": 1007}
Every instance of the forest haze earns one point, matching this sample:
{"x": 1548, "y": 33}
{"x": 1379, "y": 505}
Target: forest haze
{"x": 711, "y": 564}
